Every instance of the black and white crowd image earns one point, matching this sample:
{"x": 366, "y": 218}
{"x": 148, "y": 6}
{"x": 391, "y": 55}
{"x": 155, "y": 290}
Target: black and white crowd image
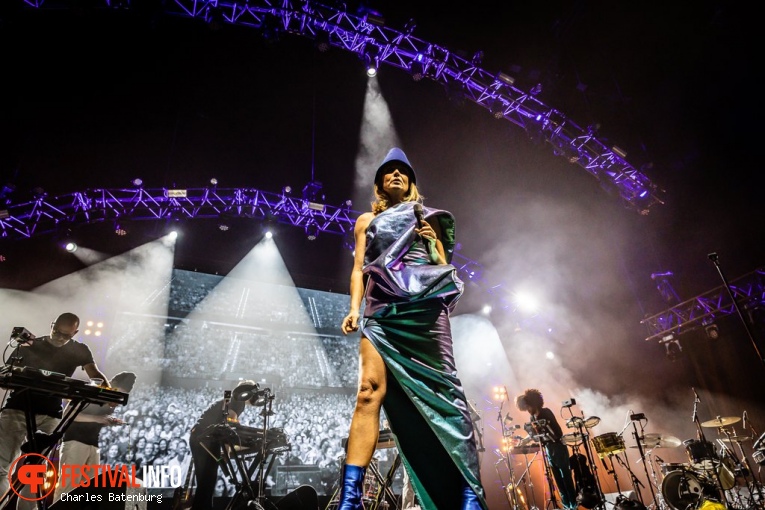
{"x": 214, "y": 337}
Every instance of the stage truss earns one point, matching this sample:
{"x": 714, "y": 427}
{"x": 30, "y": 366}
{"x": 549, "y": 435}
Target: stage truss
{"x": 705, "y": 309}
{"x": 367, "y": 36}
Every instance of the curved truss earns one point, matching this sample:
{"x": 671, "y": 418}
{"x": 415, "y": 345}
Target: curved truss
{"x": 45, "y": 215}
{"x": 368, "y": 37}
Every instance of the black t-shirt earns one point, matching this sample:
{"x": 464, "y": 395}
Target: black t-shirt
{"x": 87, "y": 432}
{"x": 42, "y": 354}
{"x": 214, "y": 414}
{"x": 546, "y": 414}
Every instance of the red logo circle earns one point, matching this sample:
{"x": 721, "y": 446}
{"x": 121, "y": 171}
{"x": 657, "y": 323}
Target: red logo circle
{"x": 32, "y": 473}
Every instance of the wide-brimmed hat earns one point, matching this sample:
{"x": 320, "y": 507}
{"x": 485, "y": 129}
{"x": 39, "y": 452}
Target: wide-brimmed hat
{"x": 395, "y": 157}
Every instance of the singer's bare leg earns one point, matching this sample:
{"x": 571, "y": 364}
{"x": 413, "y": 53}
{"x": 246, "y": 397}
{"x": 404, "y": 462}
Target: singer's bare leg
{"x": 365, "y": 424}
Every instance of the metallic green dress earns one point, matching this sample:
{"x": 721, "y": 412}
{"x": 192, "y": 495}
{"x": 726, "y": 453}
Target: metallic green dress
{"x": 406, "y": 317}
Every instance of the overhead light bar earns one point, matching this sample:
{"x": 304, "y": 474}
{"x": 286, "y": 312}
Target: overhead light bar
{"x": 177, "y": 193}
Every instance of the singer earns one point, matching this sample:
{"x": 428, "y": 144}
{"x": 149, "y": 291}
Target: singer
{"x": 406, "y": 359}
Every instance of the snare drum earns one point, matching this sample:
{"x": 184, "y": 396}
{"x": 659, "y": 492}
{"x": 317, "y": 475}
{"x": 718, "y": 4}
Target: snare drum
{"x": 701, "y": 454}
{"x": 609, "y": 443}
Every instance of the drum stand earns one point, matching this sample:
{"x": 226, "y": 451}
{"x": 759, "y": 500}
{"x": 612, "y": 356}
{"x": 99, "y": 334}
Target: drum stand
{"x": 553, "y": 501}
{"x": 639, "y": 440}
{"x": 611, "y": 471}
{"x": 702, "y": 438}
{"x": 528, "y": 483}
{"x": 584, "y": 434}
{"x": 636, "y": 484}
{"x": 753, "y": 486}
{"x": 659, "y": 497}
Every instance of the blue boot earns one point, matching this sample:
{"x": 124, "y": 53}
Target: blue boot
{"x": 352, "y": 487}
{"x": 470, "y": 499}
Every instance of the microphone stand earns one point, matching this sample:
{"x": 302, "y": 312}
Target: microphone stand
{"x": 755, "y": 481}
{"x": 716, "y": 261}
{"x": 638, "y": 439}
{"x": 702, "y": 439}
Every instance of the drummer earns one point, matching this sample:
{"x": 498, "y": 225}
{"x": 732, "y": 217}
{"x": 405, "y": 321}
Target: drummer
{"x": 532, "y": 402}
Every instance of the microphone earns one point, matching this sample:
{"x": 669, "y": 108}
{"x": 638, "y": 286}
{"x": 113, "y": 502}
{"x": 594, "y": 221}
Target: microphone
{"x": 744, "y": 425}
{"x": 430, "y": 246}
{"x": 418, "y": 214}
{"x": 226, "y": 400}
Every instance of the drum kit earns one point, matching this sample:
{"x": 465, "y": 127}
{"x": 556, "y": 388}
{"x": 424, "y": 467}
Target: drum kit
{"x": 714, "y": 478}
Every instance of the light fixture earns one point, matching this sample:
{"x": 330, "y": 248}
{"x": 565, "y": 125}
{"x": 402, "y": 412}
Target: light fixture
{"x": 70, "y": 246}
{"x": 312, "y": 231}
{"x": 223, "y": 227}
{"x": 177, "y": 193}
{"x": 497, "y": 108}
{"x": 506, "y": 78}
{"x": 370, "y": 64}
{"x": 672, "y": 347}
{"x": 287, "y": 190}
{"x": 214, "y": 181}
{"x": 712, "y": 331}
{"x": 369, "y": 55}
{"x": 312, "y": 191}
{"x": 375, "y": 19}
{"x": 417, "y": 69}
{"x": 120, "y": 230}
{"x": 322, "y": 41}
{"x": 137, "y": 182}
{"x": 269, "y": 234}
{"x": 619, "y": 151}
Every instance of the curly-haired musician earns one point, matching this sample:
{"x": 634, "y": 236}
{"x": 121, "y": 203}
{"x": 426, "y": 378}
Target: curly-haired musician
{"x": 544, "y": 420}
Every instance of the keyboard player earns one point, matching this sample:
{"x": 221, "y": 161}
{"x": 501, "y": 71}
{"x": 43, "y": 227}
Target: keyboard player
{"x": 206, "y": 451}
{"x": 59, "y": 353}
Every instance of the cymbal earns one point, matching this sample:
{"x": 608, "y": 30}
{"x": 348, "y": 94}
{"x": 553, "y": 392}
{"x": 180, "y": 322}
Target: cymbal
{"x": 575, "y": 422}
{"x": 659, "y": 441}
{"x": 591, "y": 421}
{"x": 572, "y": 439}
{"x": 721, "y": 422}
{"x": 736, "y": 439}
